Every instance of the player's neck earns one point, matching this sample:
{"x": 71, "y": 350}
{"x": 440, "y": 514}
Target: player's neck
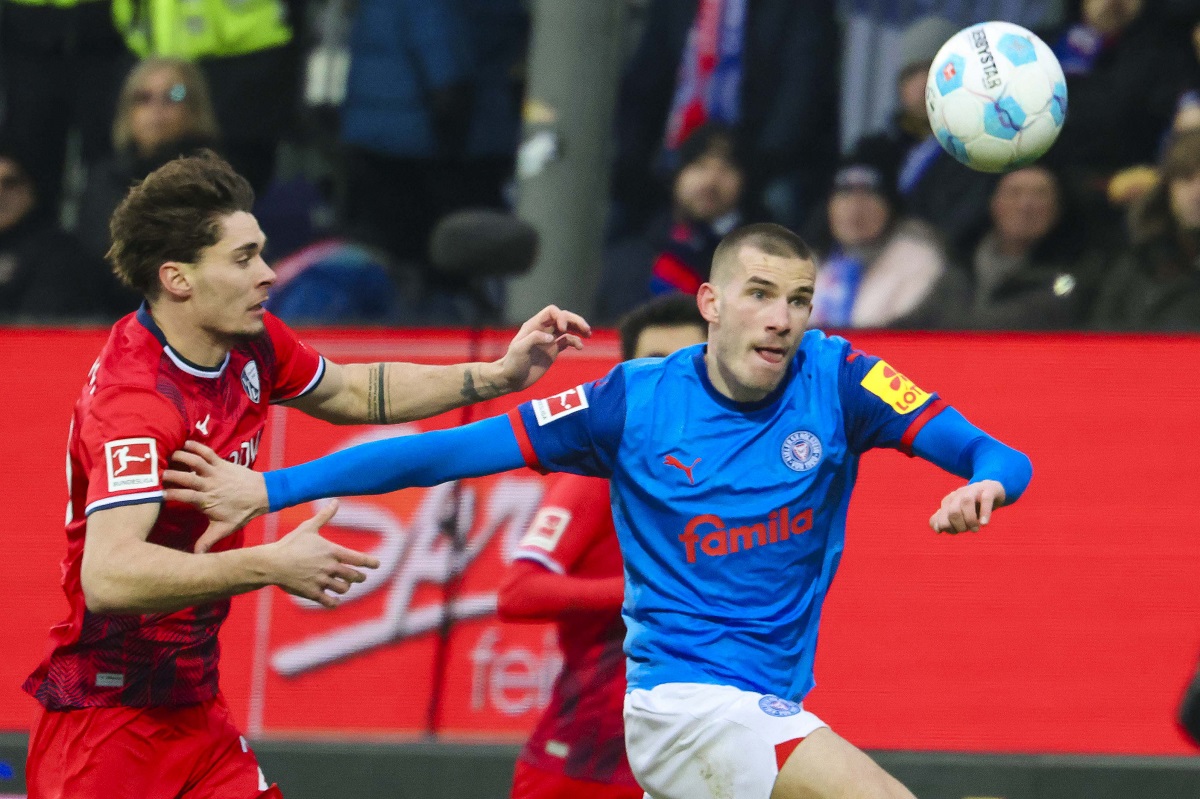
{"x": 726, "y": 383}
{"x": 187, "y": 338}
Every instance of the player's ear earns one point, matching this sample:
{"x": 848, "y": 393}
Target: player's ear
{"x": 709, "y": 302}
{"x": 175, "y": 279}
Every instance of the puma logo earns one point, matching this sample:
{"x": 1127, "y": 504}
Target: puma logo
{"x": 671, "y": 460}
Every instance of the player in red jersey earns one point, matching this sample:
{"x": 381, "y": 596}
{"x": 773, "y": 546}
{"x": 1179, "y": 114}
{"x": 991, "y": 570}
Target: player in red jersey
{"x": 130, "y": 701}
{"x": 568, "y": 570}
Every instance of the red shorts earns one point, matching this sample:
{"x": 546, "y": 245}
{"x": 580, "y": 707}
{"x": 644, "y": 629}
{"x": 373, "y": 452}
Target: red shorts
{"x": 142, "y": 753}
{"x": 534, "y": 783}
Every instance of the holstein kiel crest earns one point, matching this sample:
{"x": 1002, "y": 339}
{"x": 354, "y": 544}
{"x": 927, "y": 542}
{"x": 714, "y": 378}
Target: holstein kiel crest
{"x": 778, "y": 706}
{"x": 250, "y": 380}
{"x": 801, "y": 451}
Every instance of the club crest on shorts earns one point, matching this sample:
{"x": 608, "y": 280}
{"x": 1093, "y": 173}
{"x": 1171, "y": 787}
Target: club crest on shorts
{"x": 250, "y": 380}
{"x": 778, "y": 706}
{"x": 801, "y": 451}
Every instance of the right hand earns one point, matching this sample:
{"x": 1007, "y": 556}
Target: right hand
{"x": 307, "y": 565}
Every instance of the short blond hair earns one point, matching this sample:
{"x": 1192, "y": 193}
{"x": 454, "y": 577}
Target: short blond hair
{"x": 763, "y": 236}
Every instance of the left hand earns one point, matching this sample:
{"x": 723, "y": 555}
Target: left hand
{"x": 228, "y": 494}
{"x": 538, "y": 343}
{"x": 968, "y": 508}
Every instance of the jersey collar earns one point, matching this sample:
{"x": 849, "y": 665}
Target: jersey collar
{"x": 196, "y": 370}
{"x": 744, "y": 407}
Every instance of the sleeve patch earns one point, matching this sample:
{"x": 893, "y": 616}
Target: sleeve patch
{"x": 547, "y": 528}
{"x": 894, "y": 388}
{"x": 559, "y": 405}
{"x": 132, "y": 463}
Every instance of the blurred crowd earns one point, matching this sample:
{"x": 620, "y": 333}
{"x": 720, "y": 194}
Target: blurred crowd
{"x": 363, "y": 124}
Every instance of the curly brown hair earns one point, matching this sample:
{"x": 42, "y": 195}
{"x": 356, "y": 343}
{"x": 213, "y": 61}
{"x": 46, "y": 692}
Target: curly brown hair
{"x": 172, "y": 215}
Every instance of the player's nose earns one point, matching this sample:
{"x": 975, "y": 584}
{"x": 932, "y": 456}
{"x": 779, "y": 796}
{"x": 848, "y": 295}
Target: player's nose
{"x": 778, "y": 319}
{"x": 267, "y": 275}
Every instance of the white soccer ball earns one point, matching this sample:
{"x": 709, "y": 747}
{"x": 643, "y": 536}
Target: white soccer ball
{"x": 996, "y": 97}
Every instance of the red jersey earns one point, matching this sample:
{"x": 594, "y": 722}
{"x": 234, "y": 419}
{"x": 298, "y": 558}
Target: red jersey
{"x": 141, "y": 402}
{"x": 582, "y": 733}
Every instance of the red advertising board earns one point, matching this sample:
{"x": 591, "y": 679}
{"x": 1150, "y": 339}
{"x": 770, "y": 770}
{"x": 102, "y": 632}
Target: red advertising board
{"x": 1071, "y": 625}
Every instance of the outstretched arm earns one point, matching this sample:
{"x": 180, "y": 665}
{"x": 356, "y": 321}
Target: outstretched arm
{"x": 124, "y": 573}
{"x": 997, "y": 473}
{"x": 531, "y": 592}
{"x": 386, "y": 393}
{"x": 232, "y": 495}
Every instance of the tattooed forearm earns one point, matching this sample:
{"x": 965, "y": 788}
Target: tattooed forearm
{"x": 377, "y": 393}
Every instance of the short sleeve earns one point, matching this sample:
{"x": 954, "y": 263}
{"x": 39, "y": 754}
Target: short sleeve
{"x": 573, "y": 513}
{"x": 126, "y": 440}
{"x": 577, "y": 430}
{"x": 298, "y": 367}
{"x": 881, "y": 407}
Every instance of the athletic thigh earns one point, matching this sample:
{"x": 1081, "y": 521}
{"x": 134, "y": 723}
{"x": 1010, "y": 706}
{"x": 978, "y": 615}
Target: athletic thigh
{"x": 827, "y": 766}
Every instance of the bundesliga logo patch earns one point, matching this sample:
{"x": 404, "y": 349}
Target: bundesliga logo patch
{"x": 559, "y": 405}
{"x": 893, "y": 388}
{"x": 547, "y": 528}
{"x": 132, "y": 463}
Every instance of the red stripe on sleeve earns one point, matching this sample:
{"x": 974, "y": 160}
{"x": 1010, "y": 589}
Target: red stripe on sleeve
{"x": 527, "y": 451}
{"x": 910, "y": 435}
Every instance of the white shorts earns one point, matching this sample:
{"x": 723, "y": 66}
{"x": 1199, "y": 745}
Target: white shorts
{"x": 696, "y": 741}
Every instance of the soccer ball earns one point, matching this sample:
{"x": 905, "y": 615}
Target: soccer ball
{"x": 996, "y": 97}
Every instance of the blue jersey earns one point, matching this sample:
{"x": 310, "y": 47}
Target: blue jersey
{"x": 731, "y": 516}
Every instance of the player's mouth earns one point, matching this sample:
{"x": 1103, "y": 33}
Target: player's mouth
{"x": 258, "y": 310}
{"x": 772, "y": 355}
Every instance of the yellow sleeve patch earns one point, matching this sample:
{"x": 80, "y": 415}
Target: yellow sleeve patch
{"x": 893, "y": 388}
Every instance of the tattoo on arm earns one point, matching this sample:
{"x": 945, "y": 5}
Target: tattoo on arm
{"x": 470, "y": 393}
{"x": 377, "y": 393}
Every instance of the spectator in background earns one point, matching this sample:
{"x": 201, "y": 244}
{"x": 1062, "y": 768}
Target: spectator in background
{"x": 163, "y": 111}
{"x": 1032, "y": 268}
{"x": 44, "y": 276}
{"x": 1125, "y": 69}
{"x": 1132, "y": 183}
{"x": 431, "y": 115}
{"x": 249, "y": 52}
{"x": 61, "y": 64}
{"x": 1155, "y": 284}
{"x": 877, "y": 266}
{"x": 767, "y": 68}
{"x": 675, "y": 250}
{"x": 933, "y": 186}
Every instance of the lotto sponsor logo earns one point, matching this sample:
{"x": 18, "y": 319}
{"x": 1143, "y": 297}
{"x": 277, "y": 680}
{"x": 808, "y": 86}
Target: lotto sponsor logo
{"x": 708, "y": 534}
{"x": 547, "y": 528}
{"x": 893, "y": 388}
{"x": 559, "y": 405}
{"x": 132, "y": 463}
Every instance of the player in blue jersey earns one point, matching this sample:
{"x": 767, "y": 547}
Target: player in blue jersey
{"x": 731, "y": 466}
